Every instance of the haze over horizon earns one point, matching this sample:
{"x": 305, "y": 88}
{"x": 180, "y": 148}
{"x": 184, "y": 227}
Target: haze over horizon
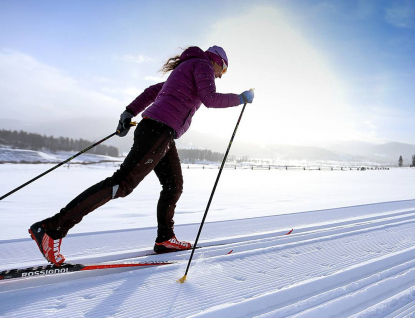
{"x": 324, "y": 71}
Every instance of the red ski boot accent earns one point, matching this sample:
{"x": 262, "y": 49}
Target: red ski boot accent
{"x": 171, "y": 245}
{"x": 49, "y": 247}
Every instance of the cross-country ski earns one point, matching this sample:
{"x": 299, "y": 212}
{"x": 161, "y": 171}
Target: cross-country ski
{"x": 47, "y": 270}
{"x": 71, "y": 268}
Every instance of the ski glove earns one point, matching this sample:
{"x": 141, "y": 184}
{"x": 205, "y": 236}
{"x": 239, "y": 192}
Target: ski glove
{"x": 124, "y": 124}
{"x": 247, "y": 96}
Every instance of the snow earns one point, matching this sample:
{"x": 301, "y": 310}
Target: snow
{"x": 11, "y": 155}
{"x": 350, "y": 254}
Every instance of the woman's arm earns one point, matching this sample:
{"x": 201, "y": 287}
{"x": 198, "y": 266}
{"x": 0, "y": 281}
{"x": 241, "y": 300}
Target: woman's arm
{"x": 145, "y": 99}
{"x": 205, "y": 83}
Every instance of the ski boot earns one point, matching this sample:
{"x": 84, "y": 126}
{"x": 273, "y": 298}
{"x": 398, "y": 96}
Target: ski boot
{"x": 49, "y": 247}
{"x": 171, "y": 245}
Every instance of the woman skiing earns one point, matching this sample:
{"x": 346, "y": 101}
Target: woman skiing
{"x": 168, "y": 109}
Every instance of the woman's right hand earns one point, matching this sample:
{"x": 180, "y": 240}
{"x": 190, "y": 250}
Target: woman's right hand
{"x": 124, "y": 123}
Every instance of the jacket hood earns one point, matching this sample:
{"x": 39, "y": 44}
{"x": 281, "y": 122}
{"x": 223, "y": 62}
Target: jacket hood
{"x": 193, "y": 52}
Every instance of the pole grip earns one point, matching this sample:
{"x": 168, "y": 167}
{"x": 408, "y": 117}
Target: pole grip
{"x": 133, "y": 123}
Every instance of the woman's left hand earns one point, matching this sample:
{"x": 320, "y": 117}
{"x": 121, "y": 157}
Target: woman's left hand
{"x": 247, "y": 96}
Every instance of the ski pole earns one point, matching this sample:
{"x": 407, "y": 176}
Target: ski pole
{"x": 62, "y": 163}
{"x": 183, "y": 279}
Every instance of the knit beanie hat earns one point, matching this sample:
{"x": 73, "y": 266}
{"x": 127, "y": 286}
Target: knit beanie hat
{"x": 216, "y": 54}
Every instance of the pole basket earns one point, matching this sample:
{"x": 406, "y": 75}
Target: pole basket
{"x": 182, "y": 280}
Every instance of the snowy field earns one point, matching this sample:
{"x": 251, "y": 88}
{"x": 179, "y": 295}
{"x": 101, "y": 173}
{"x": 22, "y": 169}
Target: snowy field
{"x": 350, "y": 254}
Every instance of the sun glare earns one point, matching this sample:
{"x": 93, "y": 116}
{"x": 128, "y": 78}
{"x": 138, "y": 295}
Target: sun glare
{"x": 298, "y": 98}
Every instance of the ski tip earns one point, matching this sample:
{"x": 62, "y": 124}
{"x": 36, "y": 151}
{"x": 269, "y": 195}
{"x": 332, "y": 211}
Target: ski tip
{"x": 229, "y": 252}
{"x": 182, "y": 280}
{"x": 289, "y": 232}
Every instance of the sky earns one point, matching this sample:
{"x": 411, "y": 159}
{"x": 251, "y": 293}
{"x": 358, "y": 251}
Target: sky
{"x": 323, "y": 71}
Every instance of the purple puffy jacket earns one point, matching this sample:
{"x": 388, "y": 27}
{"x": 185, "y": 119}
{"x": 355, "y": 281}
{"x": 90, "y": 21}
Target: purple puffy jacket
{"x": 189, "y": 85}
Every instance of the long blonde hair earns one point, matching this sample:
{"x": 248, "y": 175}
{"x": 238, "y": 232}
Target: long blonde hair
{"x": 171, "y": 63}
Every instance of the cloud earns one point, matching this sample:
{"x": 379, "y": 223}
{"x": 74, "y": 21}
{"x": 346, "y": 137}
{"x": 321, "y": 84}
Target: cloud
{"x": 401, "y": 14}
{"x": 31, "y": 90}
{"x": 132, "y": 92}
{"x": 139, "y": 59}
{"x": 155, "y": 79}
{"x": 370, "y": 124}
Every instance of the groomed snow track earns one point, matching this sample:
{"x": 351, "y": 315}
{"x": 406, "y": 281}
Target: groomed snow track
{"x": 363, "y": 266}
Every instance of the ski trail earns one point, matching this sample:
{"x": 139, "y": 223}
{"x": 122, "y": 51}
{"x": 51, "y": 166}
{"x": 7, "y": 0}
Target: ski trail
{"x": 333, "y": 290}
{"x": 333, "y": 293}
{"x": 394, "y": 303}
{"x": 360, "y": 267}
{"x": 101, "y": 247}
{"x": 272, "y": 240}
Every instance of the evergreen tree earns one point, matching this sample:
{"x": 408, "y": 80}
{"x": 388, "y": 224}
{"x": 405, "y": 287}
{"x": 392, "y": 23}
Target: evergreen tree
{"x": 400, "y": 161}
{"x": 24, "y": 140}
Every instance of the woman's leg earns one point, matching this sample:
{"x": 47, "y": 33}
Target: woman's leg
{"x": 151, "y": 142}
{"x": 169, "y": 172}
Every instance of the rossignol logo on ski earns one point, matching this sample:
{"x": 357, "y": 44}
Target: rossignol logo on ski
{"x": 46, "y": 272}
{"x": 69, "y": 268}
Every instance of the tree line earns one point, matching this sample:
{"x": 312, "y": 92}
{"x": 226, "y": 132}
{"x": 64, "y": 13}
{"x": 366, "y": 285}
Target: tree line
{"x": 400, "y": 161}
{"x": 194, "y": 155}
{"x": 32, "y": 141}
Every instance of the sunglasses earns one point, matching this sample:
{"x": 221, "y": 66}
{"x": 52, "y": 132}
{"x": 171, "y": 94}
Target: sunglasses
{"x": 224, "y": 66}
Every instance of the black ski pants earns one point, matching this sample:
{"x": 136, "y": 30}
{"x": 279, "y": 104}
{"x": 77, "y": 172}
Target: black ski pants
{"x": 153, "y": 149}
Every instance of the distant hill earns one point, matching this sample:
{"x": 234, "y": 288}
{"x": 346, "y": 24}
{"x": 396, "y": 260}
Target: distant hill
{"x": 349, "y": 151}
{"x": 388, "y": 152}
